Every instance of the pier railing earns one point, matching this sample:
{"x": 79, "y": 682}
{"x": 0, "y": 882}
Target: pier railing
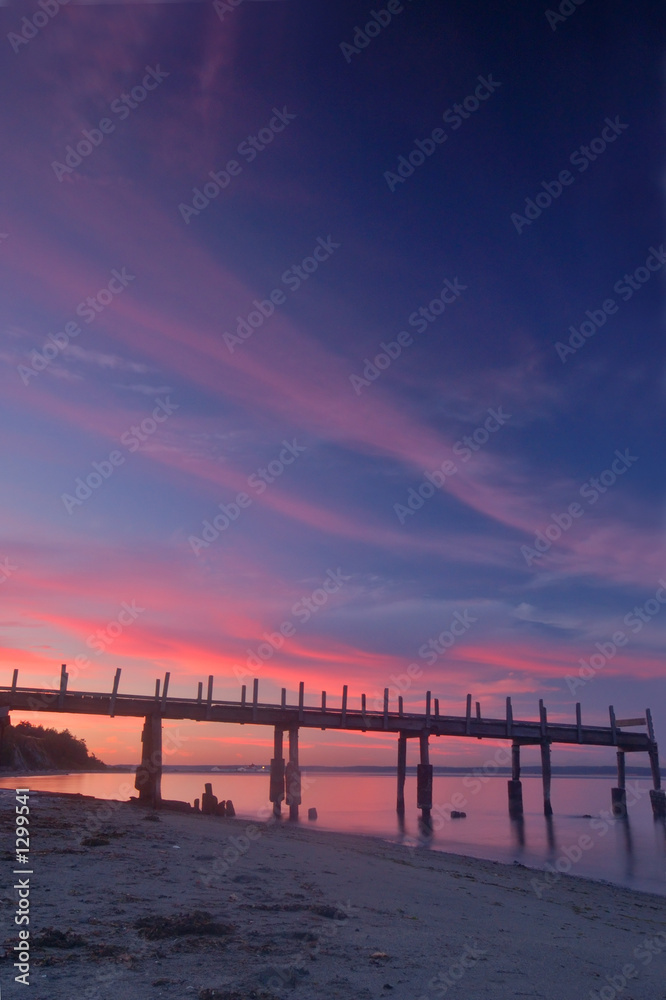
{"x": 387, "y": 718}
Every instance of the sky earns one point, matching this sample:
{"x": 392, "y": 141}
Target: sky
{"x": 332, "y": 351}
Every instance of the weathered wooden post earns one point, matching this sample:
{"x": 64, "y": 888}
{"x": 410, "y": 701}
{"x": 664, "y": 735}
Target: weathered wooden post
{"x": 424, "y": 780}
{"x": 276, "y": 794}
{"x": 148, "y": 778}
{"x": 64, "y": 677}
{"x": 515, "y": 784}
{"x": 402, "y": 770}
{"x": 619, "y": 794}
{"x": 545, "y": 775}
{"x": 293, "y": 775}
{"x": 545, "y": 759}
{"x": 657, "y": 794}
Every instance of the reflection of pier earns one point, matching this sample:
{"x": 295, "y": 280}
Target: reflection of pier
{"x": 285, "y": 782}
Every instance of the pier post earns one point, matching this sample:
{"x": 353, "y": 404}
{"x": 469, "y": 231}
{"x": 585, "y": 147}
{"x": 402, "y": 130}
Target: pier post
{"x": 657, "y": 794}
{"x": 619, "y": 794}
{"x": 148, "y": 780}
{"x": 545, "y": 774}
{"x": 515, "y": 784}
{"x": 293, "y": 775}
{"x": 402, "y": 770}
{"x": 424, "y": 780}
{"x": 276, "y": 794}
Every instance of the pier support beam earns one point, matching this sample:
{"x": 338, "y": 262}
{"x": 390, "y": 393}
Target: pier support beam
{"x": 424, "y": 780}
{"x": 293, "y": 775}
{"x": 148, "y": 780}
{"x": 545, "y": 775}
{"x": 657, "y": 794}
{"x": 276, "y": 794}
{"x": 619, "y": 794}
{"x": 402, "y": 770}
{"x": 515, "y": 784}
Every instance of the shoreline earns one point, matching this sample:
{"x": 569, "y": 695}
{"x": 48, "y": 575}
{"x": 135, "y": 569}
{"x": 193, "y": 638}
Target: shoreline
{"x": 308, "y": 913}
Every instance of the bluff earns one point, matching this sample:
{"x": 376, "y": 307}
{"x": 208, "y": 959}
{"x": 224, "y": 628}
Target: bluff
{"x": 33, "y": 748}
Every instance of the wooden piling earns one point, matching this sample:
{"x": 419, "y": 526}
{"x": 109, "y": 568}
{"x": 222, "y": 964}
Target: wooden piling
{"x": 164, "y": 692}
{"x": 424, "y": 779}
{"x": 209, "y": 699}
{"x": 515, "y": 786}
{"x": 468, "y": 715}
{"x": 545, "y": 775}
{"x": 386, "y": 707}
{"x": 301, "y": 698}
{"x": 402, "y": 771}
{"x": 657, "y": 795}
{"x": 255, "y": 698}
{"x": 114, "y": 693}
{"x": 619, "y": 794}
{"x": 276, "y": 794}
{"x": 343, "y": 713}
{"x": 293, "y": 783}
{"x": 64, "y": 677}
{"x": 209, "y": 801}
{"x": 148, "y": 779}
{"x": 14, "y": 681}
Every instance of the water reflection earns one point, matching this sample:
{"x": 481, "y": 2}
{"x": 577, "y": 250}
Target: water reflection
{"x": 518, "y": 830}
{"x": 360, "y": 803}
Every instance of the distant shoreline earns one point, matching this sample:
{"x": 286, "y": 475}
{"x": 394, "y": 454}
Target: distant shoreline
{"x": 528, "y": 771}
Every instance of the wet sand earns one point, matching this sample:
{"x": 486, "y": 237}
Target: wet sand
{"x": 128, "y": 903}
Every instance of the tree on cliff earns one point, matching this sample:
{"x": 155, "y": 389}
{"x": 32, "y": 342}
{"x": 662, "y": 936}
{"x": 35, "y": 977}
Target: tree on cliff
{"x": 30, "y": 747}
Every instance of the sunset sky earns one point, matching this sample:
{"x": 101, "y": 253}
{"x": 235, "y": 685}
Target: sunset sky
{"x": 195, "y": 435}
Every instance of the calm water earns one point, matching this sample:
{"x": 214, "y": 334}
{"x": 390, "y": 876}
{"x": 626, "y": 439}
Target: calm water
{"x": 629, "y": 853}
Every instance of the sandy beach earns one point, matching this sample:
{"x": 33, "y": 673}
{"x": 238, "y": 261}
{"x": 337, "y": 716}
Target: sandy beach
{"x": 131, "y": 903}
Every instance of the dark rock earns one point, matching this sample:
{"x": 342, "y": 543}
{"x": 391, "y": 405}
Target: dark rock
{"x": 196, "y": 923}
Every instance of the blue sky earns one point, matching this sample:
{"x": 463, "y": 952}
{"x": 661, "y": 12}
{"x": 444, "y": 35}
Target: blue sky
{"x": 470, "y": 189}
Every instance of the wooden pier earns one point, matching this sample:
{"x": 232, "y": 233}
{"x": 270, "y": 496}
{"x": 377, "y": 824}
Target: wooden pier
{"x": 285, "y": 781}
